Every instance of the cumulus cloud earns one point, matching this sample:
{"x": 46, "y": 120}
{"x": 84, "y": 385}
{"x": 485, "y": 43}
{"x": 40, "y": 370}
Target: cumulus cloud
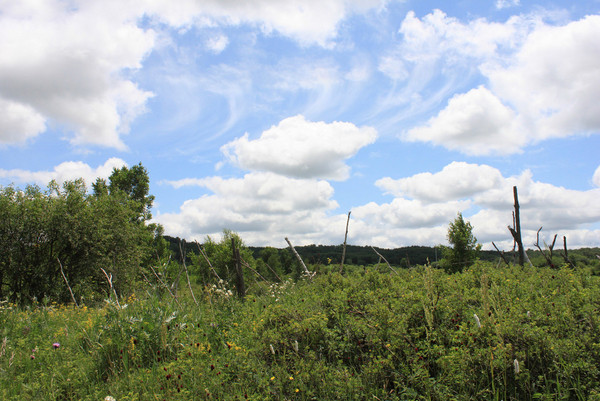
{"x": 66, "y": 171}
{"x": 51, "y": 72}
{"x": 485, "y": 197}
{"x": 475, "y": 123}
{"x": 262, "y": 207}
{"x": 557, "y": 98}
{"x": 455, "y": 181}
{"x": 532, "y": 94}
{"x": 302, "y": 149}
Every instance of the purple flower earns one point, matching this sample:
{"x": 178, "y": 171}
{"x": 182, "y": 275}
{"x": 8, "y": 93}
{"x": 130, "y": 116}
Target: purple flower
{"x": 56, "y": 345}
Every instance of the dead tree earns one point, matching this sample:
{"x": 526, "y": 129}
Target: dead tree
{"x": 550, "y": 248}
{"x": 516, "y": 231}
{"x": 565, "y": 255}
{"x": 344, "y": 248}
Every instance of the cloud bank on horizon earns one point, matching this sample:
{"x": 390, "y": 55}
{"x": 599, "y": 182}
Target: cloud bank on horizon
{"x": 274, "y": 120}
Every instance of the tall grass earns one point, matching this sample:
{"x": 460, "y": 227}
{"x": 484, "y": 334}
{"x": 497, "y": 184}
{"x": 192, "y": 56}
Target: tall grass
{"x": 367, "y": 335}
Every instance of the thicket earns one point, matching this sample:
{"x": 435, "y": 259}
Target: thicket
{"x": 67, "y": 235}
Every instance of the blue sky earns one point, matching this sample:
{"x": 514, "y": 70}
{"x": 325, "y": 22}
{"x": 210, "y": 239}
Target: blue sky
{"x": 277, "y": 118}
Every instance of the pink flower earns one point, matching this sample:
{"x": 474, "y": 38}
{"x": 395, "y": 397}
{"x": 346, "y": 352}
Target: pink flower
{"x": 56, "y": 345}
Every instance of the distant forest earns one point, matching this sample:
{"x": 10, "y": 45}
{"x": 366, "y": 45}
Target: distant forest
{"x": 398, "y": 257}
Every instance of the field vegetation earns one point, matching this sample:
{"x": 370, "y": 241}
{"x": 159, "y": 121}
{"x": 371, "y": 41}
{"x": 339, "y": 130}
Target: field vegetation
{"x": 95, "y": 306}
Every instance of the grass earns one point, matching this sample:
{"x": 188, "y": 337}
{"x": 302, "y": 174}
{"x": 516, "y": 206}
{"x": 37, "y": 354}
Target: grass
{"x": 368, "y": 335}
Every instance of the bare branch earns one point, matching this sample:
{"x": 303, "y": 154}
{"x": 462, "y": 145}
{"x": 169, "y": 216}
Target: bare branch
{"x": 381, "y": 256}
{"x": 501, "y": 254}
{"x": 306, "y": 271}
{"x": 67, "y": 282}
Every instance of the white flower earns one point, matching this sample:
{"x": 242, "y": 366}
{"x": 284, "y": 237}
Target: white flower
{"x": 272, "y": 349}
{"x": 516, "y": 363}
{"x": 109, "y": 398}
{"x": 477, "y": 320}
{"x": 295, "y": 344}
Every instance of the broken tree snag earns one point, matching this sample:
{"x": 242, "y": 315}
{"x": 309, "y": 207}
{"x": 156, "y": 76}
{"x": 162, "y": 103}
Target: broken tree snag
{"x": 516, "y": 232}
{"x": 547, "y": 257}
{"x": 344, "y": 248}
{"x": 308, "y": 273}
{"x": 240, "y": 286}
{"x": 566, "y": 254}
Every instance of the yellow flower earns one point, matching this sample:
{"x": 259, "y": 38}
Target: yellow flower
{"x": 297, "y": 390}
{"x": 272, "y": 378}
{"x": 291, "y": 377}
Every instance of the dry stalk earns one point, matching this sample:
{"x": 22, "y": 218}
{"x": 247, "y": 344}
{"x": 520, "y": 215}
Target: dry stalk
{"x": 67, "y": 282}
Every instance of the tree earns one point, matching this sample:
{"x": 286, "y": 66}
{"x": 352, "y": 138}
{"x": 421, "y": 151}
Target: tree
{"x": 464, "y": 249}
{"x": 132, "y": 183}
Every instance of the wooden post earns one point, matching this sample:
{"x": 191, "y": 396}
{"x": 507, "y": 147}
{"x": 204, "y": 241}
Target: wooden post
{"x": 306, "y": 271}
{"x": 344, "y": 249}
{"x": 240, "y": 286}
{"x": 516, "y": 231}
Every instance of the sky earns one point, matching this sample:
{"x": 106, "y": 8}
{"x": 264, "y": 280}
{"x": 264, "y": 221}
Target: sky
{"x": 276, "y": 118}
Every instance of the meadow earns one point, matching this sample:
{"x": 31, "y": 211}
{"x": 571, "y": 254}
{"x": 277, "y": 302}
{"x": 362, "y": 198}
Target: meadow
{"x": 489, "y": 332}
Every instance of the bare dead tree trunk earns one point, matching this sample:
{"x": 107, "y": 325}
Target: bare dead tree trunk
{"x": 306, "y": 271}
{"x": 385, "y": 260}
{"x": 565, "y": 255}
{"x": 516, "y": 232}
{"x": 240, "y": 286}
{"x": 344, "y": 249}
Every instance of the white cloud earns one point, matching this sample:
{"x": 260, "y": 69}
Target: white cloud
{"x": 19, "y": 122}
{"x": 596, "y": 178}
{"x": 66, "y": 171}
{"x": 217, "y": 44}
{"x": 262, "y": 207}
{"x": 309, "y": 22}
{"x": 500, "y": 4}
{"x": 483, "y": 190}
{"x": 556, "y": 97}
{"x": 457, "y": 180}
{"x": 532, "y": 94}
{"x": 302, "y": 149}
{"x": 50, "y": 71}
{"x": 475, "y": 123}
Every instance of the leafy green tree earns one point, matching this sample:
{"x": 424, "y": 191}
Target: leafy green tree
{"x": 132, "y": 183}
{"x": 464, "y": 250}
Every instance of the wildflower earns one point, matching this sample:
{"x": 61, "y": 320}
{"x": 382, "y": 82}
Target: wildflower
{"x": 109, "y": 398}
{"x": 528, "y": 314}
{"x": 291, "y": 377}
{"x": 477, "y": 320}
{"x": 516, "y": 363}
{"x": 272, "y": 349}
{"x": 295, "y": 344}
{"x": 272, "y": 378}
{"x": 56, "y": 345}
{"x": 297, "y": 390}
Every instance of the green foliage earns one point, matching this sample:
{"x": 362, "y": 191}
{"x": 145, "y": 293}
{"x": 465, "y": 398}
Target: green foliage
{"x": 423, "y": 334}
{"x": 464, "y": 250}
{"x": 82, "y": 233}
